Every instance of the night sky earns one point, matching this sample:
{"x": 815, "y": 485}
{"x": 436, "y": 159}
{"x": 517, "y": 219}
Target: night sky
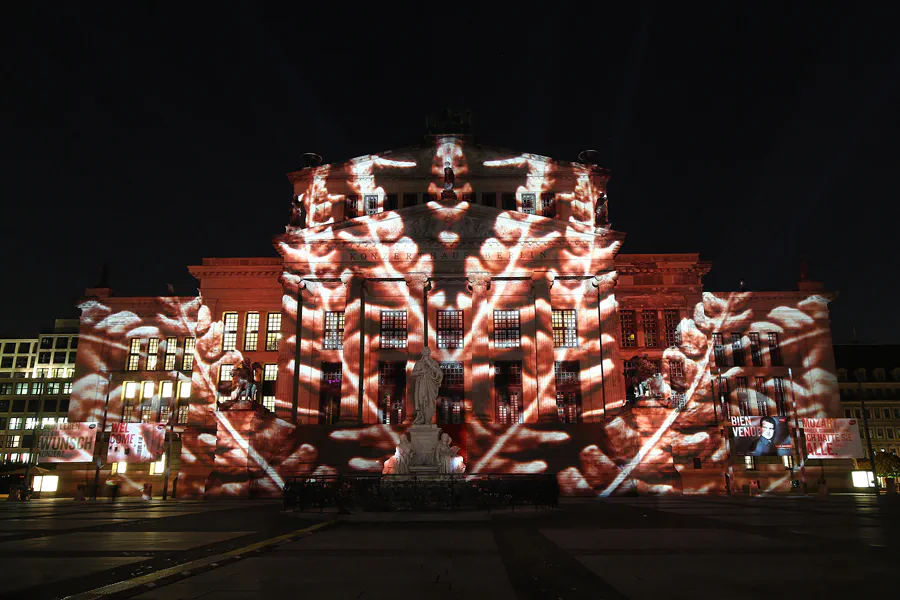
{"x": 150, "y": 138}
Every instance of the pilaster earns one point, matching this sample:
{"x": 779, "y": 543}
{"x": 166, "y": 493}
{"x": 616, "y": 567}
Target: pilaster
{"x": 354, "y": 329}
{"x": 479, "y": 283}
{"x": 544, "y": 355}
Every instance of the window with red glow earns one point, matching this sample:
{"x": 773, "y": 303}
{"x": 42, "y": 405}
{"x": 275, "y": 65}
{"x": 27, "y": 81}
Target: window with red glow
{"x": 187, "y": 361}
{"x": 774, "y": 350}
{"x": 565, "y": 328}
{"x": 719, "y": 349}
{"x": 755, "y": 353}
{"x": 134, "y": 355}
{"x": 449, "y": 329}
{"x": 548, "y": 204}
{"x": 743, "y": 400}
{"x": 393, "y": 329}
{"x": 737, "y": 349}
{"x": 650, "y": 324}
{"x": 391, "y": 391}
{"x": 508, "y": 392}
{"x": 629, "y": 328}
{"x": 229, "y": 337}
{"x": 507, "y": 330}
{"x": 762, "y": 403}
{"x": 568, "y": 391}
{"x": 171, "y": 350}
{"x": 251, "y": 332}
{"x": 330, "y": 394}
{"x": 334, "y": 330}
{"x": 780, "y": 400}
{"x": 670, "y": 318}
{"x": 528, "y": 202}
{"x": 450, "y": 407}
{"x": 153, "y": 354}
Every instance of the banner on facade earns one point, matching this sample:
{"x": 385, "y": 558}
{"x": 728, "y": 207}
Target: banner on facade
{"x": 67, "y": 442}
{"x": 832, "y": 438}
{"x": 760, "y": 436}
{"x": 136, "y": 442}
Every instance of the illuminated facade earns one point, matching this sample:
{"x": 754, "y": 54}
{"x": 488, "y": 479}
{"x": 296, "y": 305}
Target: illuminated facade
{"x": 617, "y": 372}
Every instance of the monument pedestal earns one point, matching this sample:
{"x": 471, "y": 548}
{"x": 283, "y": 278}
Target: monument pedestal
{"x": 424, "y": 438}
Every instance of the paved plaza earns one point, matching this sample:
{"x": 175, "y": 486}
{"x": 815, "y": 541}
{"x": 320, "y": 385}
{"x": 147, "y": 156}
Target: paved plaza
{"x": 621, "y": 548}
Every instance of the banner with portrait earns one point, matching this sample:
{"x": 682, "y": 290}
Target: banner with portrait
{"x": 67, "y": 442}
{"x": 760, "y": 436}
{"x": 136, "y": 442}
{"x": 832, "y": 438}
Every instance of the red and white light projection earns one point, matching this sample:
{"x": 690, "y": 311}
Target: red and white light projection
{"x": 507, "y": 269}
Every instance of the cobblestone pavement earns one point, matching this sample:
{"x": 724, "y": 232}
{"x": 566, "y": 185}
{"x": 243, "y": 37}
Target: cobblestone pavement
{"x": 620, "y": 548}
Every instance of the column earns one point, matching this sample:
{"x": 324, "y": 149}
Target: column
{"x": 416, "y": 322}
{"x": 286, "y": 388}
{"x": 354, "y": 329}
{"x": 479, "y": 283}
{"x": 614, "y": 379}
{"x": 543, "y": 343}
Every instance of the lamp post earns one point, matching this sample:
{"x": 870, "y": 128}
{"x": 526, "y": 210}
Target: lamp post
{"x": 173, "y": 415}
{"x": 865, "y": 414}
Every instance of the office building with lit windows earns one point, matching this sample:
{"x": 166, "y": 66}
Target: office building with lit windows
{"x": 616, "y": 372}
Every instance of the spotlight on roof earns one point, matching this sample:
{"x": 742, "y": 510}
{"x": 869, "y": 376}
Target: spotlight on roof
{"x": 310, "y": 159}
{"x": 589, "y": 157}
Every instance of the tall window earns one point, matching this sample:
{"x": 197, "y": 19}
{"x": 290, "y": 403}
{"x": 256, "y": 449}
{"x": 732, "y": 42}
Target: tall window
{"x": 755, "y": 352}
{"x": 722, "y": 394}
{"x": 780, "y": 400}
{"x": 226, "y": 374}
{"x": 393, "y": 329}
{"x": 508, "y": 392}
{"x": 166, "y": 392}
{"x": 548, "y": 204}
{"x": 270, "y": 378}
{"x": 528, "y": 202}
{"x": 568, "y": 391}
{"x": 334, "y": 330}
{"x": 410, "y": 199}
{"x": 737, "y": 349}
{"x": 650, "y": 325}
{"x": 187, "y": 361}
{"x": 273, "y": 331}
{"x": 719, "y": 349}
{"x": 171, "y": 351}
{"x": 676, "y": 371}
{"x": 391, "y": 391}
{"x": 762, "y": 399}
{"x": 153, "y": 354}
{"x": 451, "y": 394}
{"x": 670, "y": 321}
{"x": 508, "y": 201}
{"x": 330, "y": 394}
{"x": 251, "y": 332}
{"x": 489, "y": 199}
{"x": 371, "y": 204}
{"x": 629, "y": 328}
{"x": 146, "y": 413}
{"x": 774, "y": 350}
{"x": 507, "y": 329}
{"x": 184, "y": 390}
{"x": 743, "y": 400}
{"x": 449, "y": 329}
{"x": 134, "y": 355}
{"x": 229, "y": 338}
{"x": 565, "y": 328}
{"x": 181, "y": 417}
{"x": 390, "y": 202}
{"x": 352, "y": 204}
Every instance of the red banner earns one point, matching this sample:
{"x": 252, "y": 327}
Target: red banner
{"x": 136, "y": 442}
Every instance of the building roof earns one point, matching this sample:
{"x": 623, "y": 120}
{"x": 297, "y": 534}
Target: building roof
{"x": 867, "y": 356}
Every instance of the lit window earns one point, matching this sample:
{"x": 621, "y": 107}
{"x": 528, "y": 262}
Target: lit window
{"x": 53, "y": 387}
{"x": 269, "y": 403}
{"x": 128, "y": 413}
{"x": 226, "y": 373}
{"x": 147, "y": 389}
{"x": 134, "y": 355}
{"x": 187, "y": 362}
{"x": 153, "y": 354}
{"x": 21, "y": 389}
{"x": 788, "y": 462}
{"x": 32, "y": 423}
{"x": 171, "y": 351}
{"x": 67, "y": 387}
{"x": 371, "y": 204}
{"x": 629, "y": 334}
{"x": 650, "y": 325}
{"x": 719, "y": 349}
{"x": 676, "y": 370}
{"x": 762, "y": 404}
{"x": 119, "y": 467}
{"x": 251, "y": 332}
{"x": 565, "y": 328}
{"x": 273, "y": 331}
{"x": 548, "y": 204}
{"x": 755, "y": 350}
{"x": 37, "y": 387}
{"x": 14, "y": 441}
{"x": 15, "y": 423}
{"x": 780, "y": 398}
{"x": 229, "y": 337}
{"x": 568, "y": 392}
{"x": 334, "y": 330}
{"x": 45, "y": 421}
{"x": 743, "y": 398}
{"x": 45, "y": 483}
{"x": 131, "y": 388}
{"x": 270, "y": 373}
{"x": 449, "y": 329}
{"x": 166, "y": 389}
{"x": 750, "y": 463}
{"x": 737, "y": 349}
{"x": 393, "y": 329}
{"x": 184, "y": 389}
{"x": 507, "y": 330}
{"x": 158, "y": 467}
{"x": 164, "y": 412}
{"x": 508, "y": 392}
{"x": 146, "y": 413}
{"x": 182, "y": 416}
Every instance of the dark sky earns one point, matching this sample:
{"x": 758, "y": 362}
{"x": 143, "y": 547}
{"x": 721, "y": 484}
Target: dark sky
{"x": 152, "y": 137}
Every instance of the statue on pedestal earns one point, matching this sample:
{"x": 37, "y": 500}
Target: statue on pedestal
{"x": 428, "y": 376}
{"x": 449, "y": 176}
{"x": 245, "y": 380}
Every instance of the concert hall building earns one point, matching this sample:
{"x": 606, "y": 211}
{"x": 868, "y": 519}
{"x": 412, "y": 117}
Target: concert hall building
{"x": 560, "y": 354}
